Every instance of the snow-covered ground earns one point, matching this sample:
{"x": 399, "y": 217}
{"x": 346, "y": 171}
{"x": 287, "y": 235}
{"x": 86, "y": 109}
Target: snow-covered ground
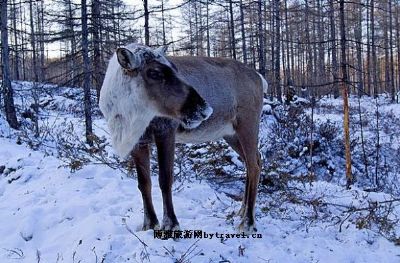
{"x": 52, "y": 213}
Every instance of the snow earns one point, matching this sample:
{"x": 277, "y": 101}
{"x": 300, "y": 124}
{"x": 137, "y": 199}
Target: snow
{"x": 61, "y": 215}
{"x": 49, "y": 213}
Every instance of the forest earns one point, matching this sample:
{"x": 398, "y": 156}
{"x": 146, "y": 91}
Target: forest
{"x": 329, "y": 136}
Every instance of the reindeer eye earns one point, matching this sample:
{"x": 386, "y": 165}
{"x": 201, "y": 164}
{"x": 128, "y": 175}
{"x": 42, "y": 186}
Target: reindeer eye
{"x": 155, "y": 74}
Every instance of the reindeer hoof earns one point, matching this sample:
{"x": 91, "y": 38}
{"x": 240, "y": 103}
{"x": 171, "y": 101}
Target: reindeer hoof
{"x": 151, "y": 225}
{"x": 246, "y": 227}
{"x": 172, "y": 227}
{"x": 169, "y": 224}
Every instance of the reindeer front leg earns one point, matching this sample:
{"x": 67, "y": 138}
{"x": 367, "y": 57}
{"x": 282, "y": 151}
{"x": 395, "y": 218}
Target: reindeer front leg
{"x": 141, "y": 156}
{"x": 165, "y": 143}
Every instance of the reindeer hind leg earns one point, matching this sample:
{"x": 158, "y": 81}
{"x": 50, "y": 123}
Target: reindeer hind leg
{"x": 247, "y": 132}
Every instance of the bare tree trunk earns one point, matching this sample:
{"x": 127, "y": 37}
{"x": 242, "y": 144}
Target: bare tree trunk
{"x": 146, "y": 23}
{"x": 333, "y": 39}
{"x": 33, "y": 43}
{"x": 7, "y": 88}
{"x": 86, "y": 73}
{"x": 191, "y": 39}
{"x": 314, "y": 47}
{"x": 392, "y": 80}
{"x": 232, "y": 28}
{"x": 309, "y": 58}
{"x": 374, "y": 59}
{"x": 344, "y": 82}
{"x": 398, "y": 49}
{"x": 163, "y": 23}
{"x": 35, "y": 72}
{"x": 16, "y": 58}
{"x": 287, "y": 35}
{"x": 40, "y": 22}
{"x": 243, "y": 33}
{"x": 253, "y": 41}
{"x": 358, "y": 35}
{"x": 292, "y": 55}
{"x": 386, "y": 46}
{"x": 378, "y": 144}
{"x": 70, "y": 25}
{"x": 96, "y": 46}
{"x": 272, "y": 44}
{"x": 261, "y": 40}
{"x": 321, "y": 55}
{"x": 196, "y": 28}
{"x": 200, "y": 30}
{"x": 365, "y": 159}
{"x": 208, "y": 29}
{"x": 368, "y": 69}
{"x": 23, "y": 26}
{"x": 277, "y": 50}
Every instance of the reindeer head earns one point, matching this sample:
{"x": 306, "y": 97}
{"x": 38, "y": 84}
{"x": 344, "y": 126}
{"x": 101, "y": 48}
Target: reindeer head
{"x": 140, "y": 83}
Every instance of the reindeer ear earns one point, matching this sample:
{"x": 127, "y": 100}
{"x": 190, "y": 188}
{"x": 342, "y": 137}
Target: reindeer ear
{"x": 126, "y": 58}
{"x": 161, "y": 50}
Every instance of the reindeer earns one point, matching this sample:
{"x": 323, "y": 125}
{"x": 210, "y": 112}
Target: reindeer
{"x": 148, "y": 97}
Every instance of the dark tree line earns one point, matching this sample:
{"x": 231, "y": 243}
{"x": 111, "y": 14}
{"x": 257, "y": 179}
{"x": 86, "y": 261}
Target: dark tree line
{"x": 63, "y": 42}
{"x": 295, "y": 44}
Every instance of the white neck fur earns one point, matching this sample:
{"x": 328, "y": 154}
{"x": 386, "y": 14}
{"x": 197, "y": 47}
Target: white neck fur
{"x": 125, "y": 107}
